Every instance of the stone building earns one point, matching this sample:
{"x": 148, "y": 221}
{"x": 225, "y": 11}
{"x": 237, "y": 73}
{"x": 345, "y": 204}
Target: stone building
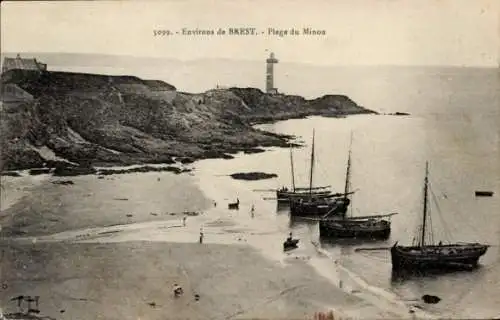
{"x": 23, "y": 64}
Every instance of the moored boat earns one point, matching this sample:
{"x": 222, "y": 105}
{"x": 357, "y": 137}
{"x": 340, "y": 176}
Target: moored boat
{"x": 310, "y": 204}
{"x": 484, "y": 193}
{"x": 319, "y": 206}
{"x": 451, "y": 256}
{"x": 365, "y": 227}
{"x": 429, "y": 256}
{"x": 290, "y": 243}
{"x": 234, "y": 205}
{"x": 285, "y": 194}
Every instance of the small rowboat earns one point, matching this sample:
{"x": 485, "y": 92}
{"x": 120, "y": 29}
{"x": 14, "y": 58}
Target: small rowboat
{"x": 484, "y": 193}
{"x": 290, "y": 244}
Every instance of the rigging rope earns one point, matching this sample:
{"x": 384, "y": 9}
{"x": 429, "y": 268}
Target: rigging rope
{"x": 430, "y": 230}
{"x": 462, "y": 217}
{"x": 447, "y": 232}
{"x": 416, "y": 240}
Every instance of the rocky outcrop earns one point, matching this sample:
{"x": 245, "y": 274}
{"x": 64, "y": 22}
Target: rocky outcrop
{"x": 253, "y": 175}
{"x": 90, "y": 119}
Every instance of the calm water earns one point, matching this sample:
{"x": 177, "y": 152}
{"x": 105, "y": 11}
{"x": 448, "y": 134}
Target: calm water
{"x": 454, "y": 125}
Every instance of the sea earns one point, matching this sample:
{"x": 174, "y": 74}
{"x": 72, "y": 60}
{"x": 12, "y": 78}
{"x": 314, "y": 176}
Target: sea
{"x": 453, "y": 124}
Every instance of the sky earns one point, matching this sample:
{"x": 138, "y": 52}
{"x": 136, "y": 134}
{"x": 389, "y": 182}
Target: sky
{"x": 358, "y": 32}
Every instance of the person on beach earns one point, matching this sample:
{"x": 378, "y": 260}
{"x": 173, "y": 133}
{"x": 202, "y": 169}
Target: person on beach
{"x": 289, "y": 237}
{"x": 184, "y": 220}
{"x": 253, "y": 211}
{"x": 215, "y": 204}
{"x": 201, "y": 235}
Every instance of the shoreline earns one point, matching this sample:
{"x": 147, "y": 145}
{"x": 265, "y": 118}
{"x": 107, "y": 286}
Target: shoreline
{"x": 213, "y": 221}
{"x": 324, "y": 264}
{"x": 104, "y": 202}
{"x": 324, "y": 268}
{"x": 176, "y": 163}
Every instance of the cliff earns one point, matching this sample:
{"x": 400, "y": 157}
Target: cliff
{"x": 92, "y": 119}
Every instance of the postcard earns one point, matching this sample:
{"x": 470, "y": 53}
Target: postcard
{"x": 250, "y": 159}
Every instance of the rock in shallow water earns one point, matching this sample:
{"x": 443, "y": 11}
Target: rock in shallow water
{"x": 430, "y": 299}
{"x": 253, "y": 175}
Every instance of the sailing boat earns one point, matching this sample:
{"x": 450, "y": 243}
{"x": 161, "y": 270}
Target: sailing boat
{"x": 311, "y": 204}
{"x": 284, "y": 194}
{"x": 368, "y": 227}
{"x": 426, "y": 257}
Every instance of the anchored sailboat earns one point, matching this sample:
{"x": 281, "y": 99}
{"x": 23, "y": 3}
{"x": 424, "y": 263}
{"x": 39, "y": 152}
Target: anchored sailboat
{"x": 368, "y": 227}
{"x": 312, "y": 204}
{"x": 424, "y": 256}
{"x": 284, "y": 194}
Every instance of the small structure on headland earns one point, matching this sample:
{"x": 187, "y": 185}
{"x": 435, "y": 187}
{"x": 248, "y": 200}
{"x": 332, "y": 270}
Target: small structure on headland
{"x": 23, "y": 64}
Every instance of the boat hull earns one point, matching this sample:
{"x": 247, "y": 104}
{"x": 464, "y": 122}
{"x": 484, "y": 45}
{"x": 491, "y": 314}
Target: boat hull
{"x": 448, "y": 257}
{"x": 379, "y": 230}
{"x": 484, "y": 193}
{"x": 286, "y": 196}
{"x": 290, "y": 244}
{"x": 319, "y": 207}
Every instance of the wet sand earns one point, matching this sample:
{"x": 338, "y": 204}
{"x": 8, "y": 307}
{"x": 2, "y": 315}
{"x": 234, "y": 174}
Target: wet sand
{"x": 33, "y": 205}
{"x": 120, "y": 280}
{"x": 96, "y": 265}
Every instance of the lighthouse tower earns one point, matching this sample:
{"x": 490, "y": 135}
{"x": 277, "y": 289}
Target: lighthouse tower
{"x": 270, "y": 74}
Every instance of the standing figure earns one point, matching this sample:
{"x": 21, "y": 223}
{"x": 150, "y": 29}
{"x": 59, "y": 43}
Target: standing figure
{"x": 184, "y": 221}
{"x": 201, "y": 235}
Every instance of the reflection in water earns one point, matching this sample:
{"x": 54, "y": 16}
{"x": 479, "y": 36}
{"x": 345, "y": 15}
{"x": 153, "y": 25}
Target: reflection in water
{"x": 282, "y": 207}
{"x": 300, "y": 222}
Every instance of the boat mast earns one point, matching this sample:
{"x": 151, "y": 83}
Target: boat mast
{"x": 348, "y": 175}
{"x": 291, "y": 165}
{"x": 426, "y": 182}
{"x": 348, "y": 171}
{"x": 312, "y": 167}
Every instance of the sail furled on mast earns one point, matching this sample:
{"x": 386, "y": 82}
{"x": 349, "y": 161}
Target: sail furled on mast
{"x": 312, "y": 167}
{"x": 348, "y": 177}
{"x": 348, "y": 171}
{"x": 291, "y": 166}
{"x": 424, "y": 218}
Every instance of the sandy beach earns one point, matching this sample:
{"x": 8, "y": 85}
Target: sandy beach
{"x": 89, "y": 260}
{"x": 120, "y": 281}
{"x": 36, "y": 205}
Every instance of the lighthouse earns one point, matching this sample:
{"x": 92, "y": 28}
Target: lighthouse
{"x": 270, "y": 74}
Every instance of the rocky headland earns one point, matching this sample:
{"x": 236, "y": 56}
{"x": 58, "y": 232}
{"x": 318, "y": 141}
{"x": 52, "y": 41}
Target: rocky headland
{"x": 87, "y": 120}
